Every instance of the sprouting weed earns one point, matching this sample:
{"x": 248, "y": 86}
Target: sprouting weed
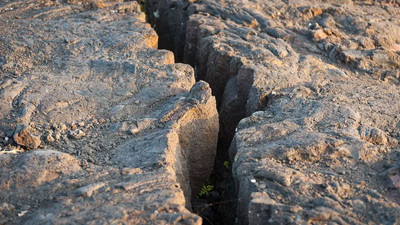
{"x": 205, "y": 190}
{"x": 226, "y": 164}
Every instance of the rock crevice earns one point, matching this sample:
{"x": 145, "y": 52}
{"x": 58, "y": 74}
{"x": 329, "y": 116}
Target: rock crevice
{"x": 316, "y": 83}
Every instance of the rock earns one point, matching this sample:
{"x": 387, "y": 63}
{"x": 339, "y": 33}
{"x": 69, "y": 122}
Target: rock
{"x": 396, "y": 47}
{"x": 83, "y": 74}
{"x": 327, "y": 21}
{"x": 35, "y": 168}
{"x": 142, "y": 124}
{"x": 50, "y": 138}
{"x": 374, "y": 135}
{"x": 26, "y": 137}
{"x": 374, "y": 194}
{"x": 126, "y": 186}
{"x": 393, "y": 176}
{"x": 319, "y": 35}
{"x": 89, "y": 190}
{"x": 77, "y": 134}
{"x": 308, "y": 125}
{"x": 130, "y": 171}
{"x": 6, "y": 211}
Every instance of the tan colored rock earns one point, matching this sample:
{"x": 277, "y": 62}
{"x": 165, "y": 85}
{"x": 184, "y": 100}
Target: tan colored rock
{"x": 317, "y": 124}
{"x": 319, "y": 35}
{"x": 26, "y": 170}
{"x": 396, "y": 47}
{"x": 116, "y": 111}
{"x": 25, "y": 136}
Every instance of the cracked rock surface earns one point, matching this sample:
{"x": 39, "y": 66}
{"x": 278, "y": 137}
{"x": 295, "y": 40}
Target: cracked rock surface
{"x": 97, "y": 126}
{"x": 318, "y": 85}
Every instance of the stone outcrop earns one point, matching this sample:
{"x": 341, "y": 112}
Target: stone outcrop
{"x": 317, "y": 160}
{"x": 98, "y": 126}
{"x": 237, "y": 45}
{"x": 125, "y": 135}
{"x": 317, "y": 83}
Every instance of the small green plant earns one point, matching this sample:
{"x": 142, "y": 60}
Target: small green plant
{"x": 206, "y": 189}
{"x": 226, "y": 164}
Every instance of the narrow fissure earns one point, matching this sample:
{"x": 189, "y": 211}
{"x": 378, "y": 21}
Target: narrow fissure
{"x": 98, "y": 120}
{"x": 216, "y": 202}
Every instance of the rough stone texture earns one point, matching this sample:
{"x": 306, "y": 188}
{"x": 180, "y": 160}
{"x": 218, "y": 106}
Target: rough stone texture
{"x": 25, "y": 136}
{"x": 319, "y": 83}
{"x": 127, "y": 136}
{"x": 308, "y": 159}
{"x": 239, "y": 46}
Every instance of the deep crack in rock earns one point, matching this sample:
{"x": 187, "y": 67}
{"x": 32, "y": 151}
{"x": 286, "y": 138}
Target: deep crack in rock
{"x": 321, "y": 78}
{"x": 129, "y": 137}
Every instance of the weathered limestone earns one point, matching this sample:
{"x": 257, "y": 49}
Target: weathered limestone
{"x": 126, "y": 135}
{"x": 308, "y": 159}
{"x": 235, "y": 45}
{"x": 318, "y": 83}
{"x": 129, "y": 137}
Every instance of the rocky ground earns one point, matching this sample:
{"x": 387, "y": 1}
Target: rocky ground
{"x": 318, "y": 85}
{"x": 97, "y": 126}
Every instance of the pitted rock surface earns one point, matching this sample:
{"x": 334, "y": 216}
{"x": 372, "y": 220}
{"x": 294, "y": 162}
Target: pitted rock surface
{"x": 125, "y": 135}
{"x": 246, "y": 49}
{"x": 319, "y": 84}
